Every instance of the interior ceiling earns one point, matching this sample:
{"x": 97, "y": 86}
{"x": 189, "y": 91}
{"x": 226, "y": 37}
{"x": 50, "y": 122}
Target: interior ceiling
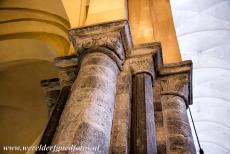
{"x": 203, "y": 32}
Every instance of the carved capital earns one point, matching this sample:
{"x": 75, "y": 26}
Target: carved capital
{"x": 142, "y": 64}
{"x": 142, "y": 59}
{"x": 177, "y": 79}
{"x": 176, "y": 85}
{"x": 113, "y": 36}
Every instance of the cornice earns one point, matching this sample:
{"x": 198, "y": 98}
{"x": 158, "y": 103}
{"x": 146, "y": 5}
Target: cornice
{"x": 114, "y": 36}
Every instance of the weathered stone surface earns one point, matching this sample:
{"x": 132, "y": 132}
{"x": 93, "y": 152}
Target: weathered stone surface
{"x": 143, "y": 138}
{"x": 161, "y": 148}
{"x": 119, "y": 142}
{"x": 49, "y": 132}
{"x": 174, "y": 99}
{"x": 160, "y": 131}
{"x": 51, "y": 89}
{"x": 158, "y": 119}
{"x": 142, "y": 64}
{"x": 88, "y": 115}
{"x": 67, "y": 69}
{"x": 181, "y": 144}
{"x": 114, "y": 36}
{"x": 88, "y": 135}
{"x": 90, "y": 104}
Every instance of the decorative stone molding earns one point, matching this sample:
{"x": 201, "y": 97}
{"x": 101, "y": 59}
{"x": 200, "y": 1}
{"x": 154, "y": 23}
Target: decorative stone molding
{"x": 175, "y": 85}
{"x": 113, "y": 36}
{"x": 142, "y": 64}
{"x": 111, "y": 41}
{"x": 51, "y": 89}
{"x": 67, "y": 69}
{"x": 182, "y": 70}
{"x": 142, "y": 59}
{"x": 177, "y": 79}
{"x": 66, "y": 61}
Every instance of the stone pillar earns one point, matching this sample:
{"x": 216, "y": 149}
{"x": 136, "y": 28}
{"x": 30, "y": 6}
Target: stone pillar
{"x": 51, "y": 89}
{"x": 143, "y": 125}
{"x": 175, "y": 96}
{"x": 90, "y": 106}
{"x": 67, "y": 69}
{"x": 120, "y": 136}
{"x": 87, "y": 117}
{"x": 158, "y": 113}
{"x": 143, "y": 132}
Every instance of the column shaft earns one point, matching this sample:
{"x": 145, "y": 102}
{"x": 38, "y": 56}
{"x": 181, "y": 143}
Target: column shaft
{"x": 178, "y": 133}
{"x": 174, "y": 96}
{"x": 143, "y": 138}
{"x": 87, "y": 117}
{"x": 158, "y": 113}
{"x": 119, "y": 142}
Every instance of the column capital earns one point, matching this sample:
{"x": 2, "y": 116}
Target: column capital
{"x": 142, "y": 64}
{"x": 176, "y": 79}
{"x": 112, "y": 36}
{"x": 141, "y": 59}
{"x": 176, "y": 85}
{"x": 148, "y": 58}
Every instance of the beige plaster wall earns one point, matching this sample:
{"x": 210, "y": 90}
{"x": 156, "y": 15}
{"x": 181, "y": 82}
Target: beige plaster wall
{"x": 32, "y": 33}
{"x": 23, "y": 112}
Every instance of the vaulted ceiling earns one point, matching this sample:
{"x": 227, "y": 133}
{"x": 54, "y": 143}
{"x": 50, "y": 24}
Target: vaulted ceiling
{"x": 203, "y": 32}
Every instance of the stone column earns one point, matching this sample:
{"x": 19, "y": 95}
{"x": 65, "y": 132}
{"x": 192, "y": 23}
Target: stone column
{"x": 158, "y": 113}
{"x": 143, "y": 132}
{"x": 87, "y": 117}
{"x": 175, "y": 96}
{"x": 90, "y": 107}
{"x": 51, "y": 89}
{"x": 120, "y": 136}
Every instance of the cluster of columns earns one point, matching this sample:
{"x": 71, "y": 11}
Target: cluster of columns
{"x": 123, "y": 99}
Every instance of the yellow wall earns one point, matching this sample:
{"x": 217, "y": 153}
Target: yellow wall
{"x": 34, "y": 20}
{"x": 32, "y": 33}
{"x": 151, "y": 20}
{"x": 105, "y": 10}
{"x": 76, "y": 11}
